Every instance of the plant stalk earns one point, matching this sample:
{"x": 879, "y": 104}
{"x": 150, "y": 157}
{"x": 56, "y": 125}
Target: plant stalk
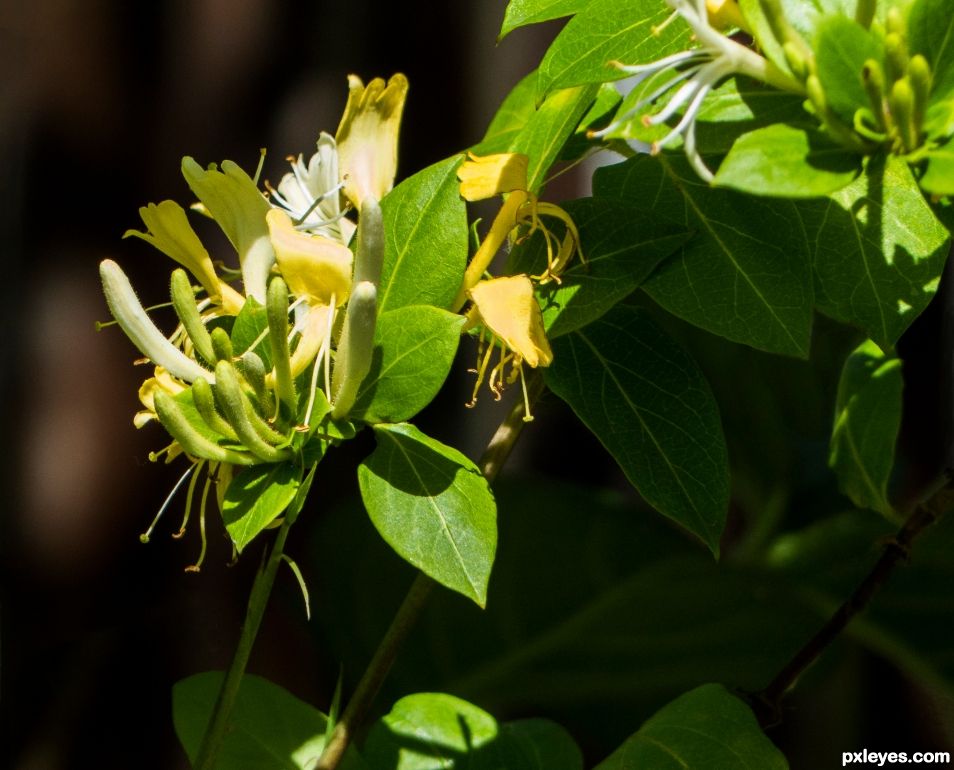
{"x": 896, "y": 552}
{"x": 492, "y": 460}
{"x": 261, "y": 589}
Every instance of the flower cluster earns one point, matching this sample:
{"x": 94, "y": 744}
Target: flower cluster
{"x": 270, "y": 372}
{"x": 505, "y": 309}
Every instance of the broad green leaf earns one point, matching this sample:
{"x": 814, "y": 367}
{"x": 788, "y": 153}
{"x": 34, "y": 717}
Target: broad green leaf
{"x": 434, "y": 731}
{"x": 255, "y": 497}
{"x": 425, "y": 239}
{"x": 931, "y": 33}
{"x": 867, "y": 419}
{"x": 878, "y": 250}
{"x": 432, "y": 506}
{"x": 600, "y": 113}
{"x": 268, "y": 727}
{"x": 787, "y": 162}
{"x": 842, "y": 46}
{"x": 607, "y": 31}
{"x": 548, "y": 129}
{"x": 414, "y": 349}
{"x": 746, "y": 273}
{"x": 938, "y": 178}
{"x": 512, "y": 115}
{"x": 520, "y": 13}
{"x": 649, "y": 405}
{"x": 622, "y": 245}
{"x": 705, "y": 729}
{"x": 249, "y": 324}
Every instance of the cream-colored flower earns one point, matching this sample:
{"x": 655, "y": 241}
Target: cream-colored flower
{"x": 368, "y": 137}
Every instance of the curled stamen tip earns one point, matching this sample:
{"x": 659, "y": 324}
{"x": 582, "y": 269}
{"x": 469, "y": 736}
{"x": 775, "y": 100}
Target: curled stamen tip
{"x": 471, "y": 404}
{"x": 178, "y": 535}
{"x": 646, "y": 120}
{"x": 302, "y": 428}
{"x": 193, "y": 568}
{"x": 616, "y": 63}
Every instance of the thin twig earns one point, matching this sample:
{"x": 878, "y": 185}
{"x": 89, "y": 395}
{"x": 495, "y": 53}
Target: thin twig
{"x": 493, "y": 458}
{"x": 897, "y": 551}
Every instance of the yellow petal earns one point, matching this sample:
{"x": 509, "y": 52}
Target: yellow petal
{"x": 725, "y": 14}
{"x": 368, "y": 136}
{"x": 313, "y": 266}
{"x": 168, "y": 229}
{"x": 490, "y": 175}
{"x": 509, "y": 310}
{"x": 147, "y": 394}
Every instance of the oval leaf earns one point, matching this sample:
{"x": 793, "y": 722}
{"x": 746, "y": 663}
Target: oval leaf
{"x": 867, "y": 419}
{"x": 433, "y": 507}
{"x": 255, "y": 497}
{"x": 425, "y": 239}
{"x": 704, "y": 729}
{"x": 520, "y": 13}
{"x": 649, "y": 405}
{"x": 414, "y": 349}
{"x": 787, "y": 162}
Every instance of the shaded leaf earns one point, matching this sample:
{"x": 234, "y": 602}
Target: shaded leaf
{"x": 744, "y": 275}
{"x": 938, "y": 178}
{"x": 255, "y": 497}
{"x": 249, "y": 324}
{"x": 931, "y": 33}
{"x": 649, "y": 405}
{"x": 842, "y": 46}
{"x": 432, "y": 506}
{"x": 704, "y": 729}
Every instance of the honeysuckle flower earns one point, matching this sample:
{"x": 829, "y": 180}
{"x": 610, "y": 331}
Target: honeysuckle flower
{"x": 168, "y": 229}
{"x": 161, "y": 380}
{"x": 318, "y": 273}
{"x": 310, "y": 194}
{"x": 508, "y": 312}
{"x": 368, "y": 135}
{"x": 231, "y": 198}
{"x": 698, "y": 70}
{"x": 506, "y": 173}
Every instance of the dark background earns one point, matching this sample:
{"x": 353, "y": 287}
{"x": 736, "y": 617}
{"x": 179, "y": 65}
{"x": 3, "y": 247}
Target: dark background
{"x": 99, "y": 100}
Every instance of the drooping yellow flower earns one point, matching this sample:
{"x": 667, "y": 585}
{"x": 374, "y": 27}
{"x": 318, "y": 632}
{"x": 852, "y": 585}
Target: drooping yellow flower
{"x": 509, "y": 314}
{"x": 318, "y": 273}
{"x": 368, "y": 136}
{"x": 506, "y": 173}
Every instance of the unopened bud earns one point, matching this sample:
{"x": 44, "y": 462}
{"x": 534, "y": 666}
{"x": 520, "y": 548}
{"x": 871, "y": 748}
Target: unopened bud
{"x": 919, "y": 73}
{"x": 355, "y": 349}
{"x": 277, "y": 308}
{"x": 183, "y": 300}
{"x": 901, "y": 102}
{"x": 204, "y": 400}
{"x": 895, "y": 56}
{"x": 221, "y": 344}
{"x": 174, "y": 420}
{"x": 241, "y": 416}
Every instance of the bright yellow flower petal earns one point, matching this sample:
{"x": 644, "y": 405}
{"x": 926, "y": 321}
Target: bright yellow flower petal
{"x": 313, "y": 266}
{"x": 147, "y": 394}
{"x": 507, "y": 307}
{"x": 725, "y": 14}
{"x": 490, "y": 175}
{"x": 368, "y": 136}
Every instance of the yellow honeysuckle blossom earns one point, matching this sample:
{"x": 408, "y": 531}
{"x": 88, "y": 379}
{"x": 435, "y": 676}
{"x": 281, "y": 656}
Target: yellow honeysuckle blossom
{"x": 318, "y": 273}
{"x": 161, "y": 380}
{"x": 487, "y": 176}
{"x": 508, "y": 312}
{"x": 367, "y": 137}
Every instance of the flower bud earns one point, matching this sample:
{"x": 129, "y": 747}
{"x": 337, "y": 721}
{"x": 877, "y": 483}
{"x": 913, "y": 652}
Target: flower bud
{"x": 277, "y": 308}
{"x": 183, "y": 300}
{"x": 204, "y": 401}
{"x": 242, "y": 417}
{"x": 174, "y": 420}
{"x": 221, "y": 344}
{"x": 355, "y": 349}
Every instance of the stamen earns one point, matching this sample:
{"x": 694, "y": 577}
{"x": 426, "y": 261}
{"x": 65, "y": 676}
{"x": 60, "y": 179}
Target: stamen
{"x": 527, "y": 417}
{"x": 482, "y": 370}
{"x": 657, "y": 29}
{"x": 144, "y": 537}
{"x": 188, "y": 506}
{"x": 202, "y": 504}
{"x": 261, "y": 163}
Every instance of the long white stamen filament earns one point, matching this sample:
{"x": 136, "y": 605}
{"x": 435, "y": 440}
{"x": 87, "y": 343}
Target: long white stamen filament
{"x": 144, "y": 537}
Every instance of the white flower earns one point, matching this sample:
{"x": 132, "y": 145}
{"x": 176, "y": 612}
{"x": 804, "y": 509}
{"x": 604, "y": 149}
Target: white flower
{"x": 310, "y": 194}
{"x": 698, "y": 71}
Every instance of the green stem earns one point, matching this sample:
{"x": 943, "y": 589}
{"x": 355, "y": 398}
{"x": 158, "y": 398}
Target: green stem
{"x": 261, "y": 589}
{"x": 492, "y": 460}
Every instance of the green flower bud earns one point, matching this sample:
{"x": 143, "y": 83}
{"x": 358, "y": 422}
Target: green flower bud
{"x": 244, "y": 420}
{"x": 183, "y": 300}
{"x": 865, "y": 12}
{"x": 221, "y": 344}
{"x": 895, "y": 56}
{"x": 204, "y": 401}
{"x": 919, "y": 73}
{"x": 277, "y": 308}
{"x": 873, "y": 78}
{"x": 355, "y": 349}
{"x": 369, "y": 255}
{"x": 901, "y": 102}
{"x": 174, "y": 420}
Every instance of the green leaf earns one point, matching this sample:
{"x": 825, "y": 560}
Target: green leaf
{"x": 801, "y": 14}
{"x": 425, "y": 246}
{"x": 520, "y": 13}
{"x": 842, "y": 46}
{"x": 867, "y": 419}
{"x": 268, "y": 727}
{"x": 787, "y": 162}
{"x": 512, "y": 115}
{"x": 931, "y": 33}
{"x": 255, "y": 497}
{"x": 649, "y": 405}
{"x": 938, "y": 178}
{"x": 745, "y": 275}
{"x": 433, "y": 507}
{"x": 878, "y": 250}
{"x": 704, "y": 729}
{"x": 607, "y": 31}
{"x": 414, "y": 348}
{"x": 434, "y": 731}
{"x": 548, "y": 129}
{"x": 249, "y": 324}
{"x": 622, "y": 246}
